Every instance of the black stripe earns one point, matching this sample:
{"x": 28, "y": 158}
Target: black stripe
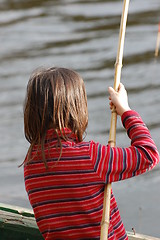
{"x": 80, "y": 158}
{"x": 138, "y": 162}
{"x": 117, "y": 225}
{"x": 70, "y": 213}
{"x": 113, "y": 211}
{"x": 64, "y": 187}
{"x": 139, "y": 137}
{"x": 58, "y": 173}
{"x": 146, "y": 153}
{"x": 135, "y": 126}
{"x": 130, "y": 116}
{"x": 110, "y": 165}
{"x": 124, "y": 237}
{"x": 98, "y": 158}
{"x": 72, "y": 227}
{"x": 68, "y": 199}
{"x": 110, "y": 234}
{"x": 124, "y": 162}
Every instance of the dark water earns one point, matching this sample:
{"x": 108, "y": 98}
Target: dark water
{"x": 82, "y": 35}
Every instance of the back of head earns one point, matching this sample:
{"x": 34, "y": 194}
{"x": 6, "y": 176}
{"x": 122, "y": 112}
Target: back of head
{"x": 56, "y": 98}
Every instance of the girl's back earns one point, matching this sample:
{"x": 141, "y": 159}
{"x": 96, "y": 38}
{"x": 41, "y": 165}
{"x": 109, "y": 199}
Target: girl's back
{"x": 65, "y": 176}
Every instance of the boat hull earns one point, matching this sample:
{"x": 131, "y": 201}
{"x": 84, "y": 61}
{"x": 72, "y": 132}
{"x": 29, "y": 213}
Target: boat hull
{"x": 19, "y": 224}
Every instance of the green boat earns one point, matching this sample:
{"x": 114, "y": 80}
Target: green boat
{"x": 19, "y": 224}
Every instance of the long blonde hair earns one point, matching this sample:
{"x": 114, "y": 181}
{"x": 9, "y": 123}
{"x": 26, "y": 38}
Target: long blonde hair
{"x": 56, "y": 98}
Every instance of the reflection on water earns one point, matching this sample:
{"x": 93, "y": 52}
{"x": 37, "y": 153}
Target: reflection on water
{"x": 82, "y": 35}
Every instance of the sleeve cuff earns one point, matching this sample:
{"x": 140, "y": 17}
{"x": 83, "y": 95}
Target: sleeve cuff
{"x": 128, "y": 114}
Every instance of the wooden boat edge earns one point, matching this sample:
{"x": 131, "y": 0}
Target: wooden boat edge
{"x": 14, "y": 219}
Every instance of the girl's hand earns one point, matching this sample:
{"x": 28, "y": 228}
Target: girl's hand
{"x": 119, "y": 99}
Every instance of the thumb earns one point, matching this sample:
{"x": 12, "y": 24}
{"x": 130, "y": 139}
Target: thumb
{"x": 121, "y": 87}
{"x": 111, "y": 90}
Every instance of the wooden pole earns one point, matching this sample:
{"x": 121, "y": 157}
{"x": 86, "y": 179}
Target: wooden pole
{"x": 112, "y": 135}
{"x": 158, "y": 42}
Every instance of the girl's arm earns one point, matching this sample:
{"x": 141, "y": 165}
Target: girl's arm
{"x": 115, "y": 163}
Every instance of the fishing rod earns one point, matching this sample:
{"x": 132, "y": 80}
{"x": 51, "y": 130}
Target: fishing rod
{"x": 112, "y": 134}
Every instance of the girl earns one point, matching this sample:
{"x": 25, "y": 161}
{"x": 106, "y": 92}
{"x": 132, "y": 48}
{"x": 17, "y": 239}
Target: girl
{"x": 64, "y": 175}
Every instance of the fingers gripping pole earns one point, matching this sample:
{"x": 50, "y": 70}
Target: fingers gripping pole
{"x": 112, "y": 135}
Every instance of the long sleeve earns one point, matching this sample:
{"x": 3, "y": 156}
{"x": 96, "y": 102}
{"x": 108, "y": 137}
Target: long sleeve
{"x": 116, "y": 163}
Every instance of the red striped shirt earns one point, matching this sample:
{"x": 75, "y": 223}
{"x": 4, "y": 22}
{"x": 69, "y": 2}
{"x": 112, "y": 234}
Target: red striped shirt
{"x": 67, "y": 199}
